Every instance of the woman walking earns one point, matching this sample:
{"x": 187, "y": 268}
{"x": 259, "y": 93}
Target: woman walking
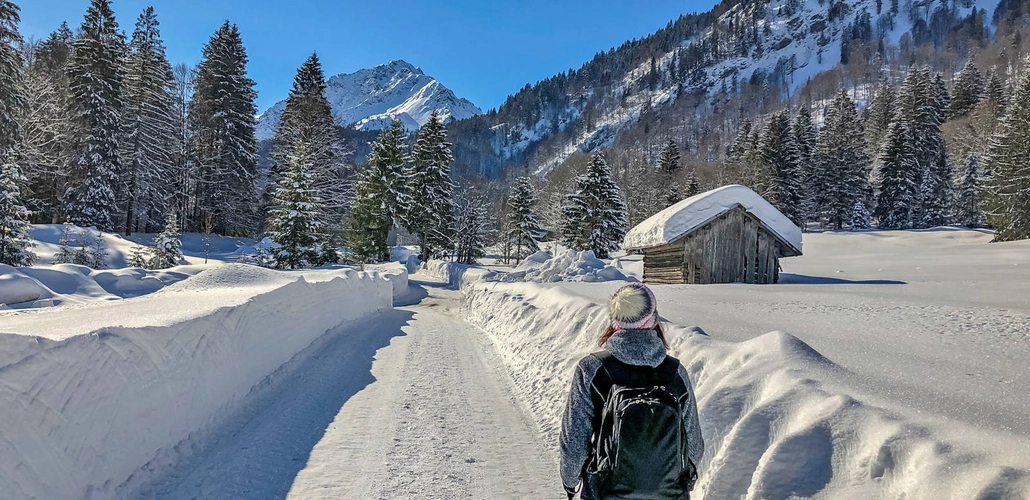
{"x": 630, "y": 428}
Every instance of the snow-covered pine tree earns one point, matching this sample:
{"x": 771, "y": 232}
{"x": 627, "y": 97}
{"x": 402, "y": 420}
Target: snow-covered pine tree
{"x": 293, "y": 218}
{"x": 523, "y": 227}
{"x": 148, "y": 126}
{"x": 938, "y": 184}
{"x": 95, "y": 76}
{"x": 806, "y": 141}
{"x": 669, "y": 165}
{"x": 881, "y": 112}
{"x": 896, "y": 174}
{"x": 387, "y": 160}
{"x": 369, "y": 222}
{"x": 308, "y": 121}
{"x": 860, "y": 219}
{"x": 1007, "y": 190}
{"x": 967, "y": 200}
{"x": 967, "y": 92}
{"x": 14, "y": 237}
{"x": 595, "y": 215}
{"x": 96, "y": 254}
{"x": 83, "y": 242}
{"x": 429, "y": 213}
{"x": 994, "y": 90}
{"x": 222, "y": 118}
{"x": 14, "y": 217}
{"x": 139, "y": 256}
{"x": 780, "y": 156}
{"x": 166, "y": 249}
{"x": 693, "y": 184}
{"x": 843, "y": 164}
{"x": 65, "y": 254}
{"x": 472, "y": 229}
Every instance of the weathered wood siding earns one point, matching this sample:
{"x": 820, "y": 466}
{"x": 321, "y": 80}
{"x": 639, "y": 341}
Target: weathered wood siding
{"x": 732, "y": 248}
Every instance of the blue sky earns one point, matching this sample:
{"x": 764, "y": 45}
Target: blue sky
{"x": 481, "y": 49}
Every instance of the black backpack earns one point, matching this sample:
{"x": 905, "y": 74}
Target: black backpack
{"x": 639, "y": 447}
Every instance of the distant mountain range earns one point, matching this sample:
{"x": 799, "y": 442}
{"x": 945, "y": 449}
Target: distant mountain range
{"x": 369, "y": 99}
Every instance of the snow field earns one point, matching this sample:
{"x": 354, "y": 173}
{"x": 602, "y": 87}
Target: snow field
{"x": 779, "y": 419}
{"x": 90, "y": 393}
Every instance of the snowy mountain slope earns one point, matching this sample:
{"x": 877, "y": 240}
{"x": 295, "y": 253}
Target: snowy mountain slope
{"x": 369, "y": 99}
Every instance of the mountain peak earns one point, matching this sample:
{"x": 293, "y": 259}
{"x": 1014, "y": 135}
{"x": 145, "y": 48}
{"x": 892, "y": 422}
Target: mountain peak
{"x": 371, "y": 98}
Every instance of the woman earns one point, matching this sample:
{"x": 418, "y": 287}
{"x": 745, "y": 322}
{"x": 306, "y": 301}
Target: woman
{"x": 630, "y": 428}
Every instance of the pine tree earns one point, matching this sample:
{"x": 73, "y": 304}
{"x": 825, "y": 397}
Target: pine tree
{"x": 139, "y": 256}
{"x": 96, "y": 253}
{"x": 595, "y": 215}
{"x": 843, "y": 167}
{"x": 166, "y": 249}
{"x": 693, "y": 185}
{"x": 64, "y": 254}
{"x": 938, "y": 185}
{"x": 429, "y": 213}
{"x": 669, "y": 166}
{"x": 95, "y": 74}
{"x": 14, "y": 237}
{"x": 293, "y": 219}
{"x": 369, "y": 221}
{"x": 967, "y": 92}
{"x": 780, "y": 156}
{"x": 472, "y": 228}
{"x": 14, "y": 226}
{"x": 523, "y": 227}
{"x": 148, "y": 121}
{"x": 1007, "y": 191}
{"x": 222, "y": 118}
{"x": 994, "y": 90}
{"x": 881, "y": 112}
{"x": 897, "y": 179}
{"x": 806, "y": 142}
{"x": 967, "y": 203}
{"x": 860, "y": 218}
{"x": 308, "y": 121}
{"x": 387, "y": 160}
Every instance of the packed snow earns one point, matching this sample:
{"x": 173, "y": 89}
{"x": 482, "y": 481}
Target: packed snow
{"x": 681, "y": 218}
{"x": 370, "y": 99}
{"x": 96, "y": 398}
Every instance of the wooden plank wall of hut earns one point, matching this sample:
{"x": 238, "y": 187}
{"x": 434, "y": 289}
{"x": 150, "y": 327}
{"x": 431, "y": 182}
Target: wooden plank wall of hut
{"x": 732, "y": 248}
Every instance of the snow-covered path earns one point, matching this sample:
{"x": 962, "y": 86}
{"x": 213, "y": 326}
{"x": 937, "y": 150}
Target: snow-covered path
{"x": 430, "y": 417}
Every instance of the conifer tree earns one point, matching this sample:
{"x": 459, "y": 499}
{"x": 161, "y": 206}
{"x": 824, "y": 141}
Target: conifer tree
{"x": 293, "y": 218}
{"x": 780, "y": 156}
{"x": 472, "y": 228}
{"x": 14, "y": 226}
{"x": 967, "y": 92}
{"x": 994, "y": 90}
{"x": 369, "y": 221}
{"x": 595, "y": 215}
{"x": 308, "y": 121}
{"x": 843, "y": 166}
{"x": 387, "y": 160}
{"x": 1007, "y": 190}
{"x": 222, "y": 122}
{"x": 148, "y": 121}
{"x": 95, "y": 76}
{"x": 806, "y": 142}
{"x": 860, "y": 218}
{"x": 14, "y": 237}
{"x": 938, "y": 185}
{"x": 669, "y": 166}
{"x": 166, "y": 250}
{"x": 693, "y": 185}
{"x": 429, "y": 213}
{"x": 967, "y": 203}
{"x": 65, "y": 255}
{"x": 896, "y": 177}
{"x": 523, "y": 227}
{"x": 881, "y": 112}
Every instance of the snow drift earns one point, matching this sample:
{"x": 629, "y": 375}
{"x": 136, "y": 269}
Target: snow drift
{"x": 63, "y": 284}
{"x": 567, "y": 265}
{"x": 89, "y": 394}
{"x": 779, "y": 420}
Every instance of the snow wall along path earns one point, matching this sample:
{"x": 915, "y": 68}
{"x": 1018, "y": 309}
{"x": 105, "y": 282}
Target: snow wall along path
{"x": 89, "y": 395}
{"x": 776, "y": 418}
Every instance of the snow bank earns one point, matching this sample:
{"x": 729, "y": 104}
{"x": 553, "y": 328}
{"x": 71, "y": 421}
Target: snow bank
{"x": 683, "y": 217}
{"x": 65, "y": 284}
{"x": 456, "y": 275}
{"x": 567, "y": 265}
{"x": 777, "y": 419}
{"x": 394, "y": 272}
{"x": 89, "y": 394}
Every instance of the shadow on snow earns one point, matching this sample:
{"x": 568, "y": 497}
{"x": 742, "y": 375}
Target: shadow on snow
{"x": 801, "y": 279}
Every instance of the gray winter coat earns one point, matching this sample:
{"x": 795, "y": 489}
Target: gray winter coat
{"x": 633, "y": 347}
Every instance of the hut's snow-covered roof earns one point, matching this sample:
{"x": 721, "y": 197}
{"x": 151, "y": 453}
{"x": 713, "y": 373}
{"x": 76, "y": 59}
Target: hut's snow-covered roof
{"x": 680, "y": 219}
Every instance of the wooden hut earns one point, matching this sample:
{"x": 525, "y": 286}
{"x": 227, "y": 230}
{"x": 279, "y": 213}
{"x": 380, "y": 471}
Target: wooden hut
{"x": 727, "y": 235}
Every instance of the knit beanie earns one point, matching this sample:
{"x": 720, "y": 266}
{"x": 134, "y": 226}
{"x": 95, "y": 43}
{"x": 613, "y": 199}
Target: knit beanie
{"x": 633, "y": 307}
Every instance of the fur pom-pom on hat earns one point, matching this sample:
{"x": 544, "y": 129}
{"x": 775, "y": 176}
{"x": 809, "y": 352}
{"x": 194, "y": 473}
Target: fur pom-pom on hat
{"x": 633, "y": 307}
